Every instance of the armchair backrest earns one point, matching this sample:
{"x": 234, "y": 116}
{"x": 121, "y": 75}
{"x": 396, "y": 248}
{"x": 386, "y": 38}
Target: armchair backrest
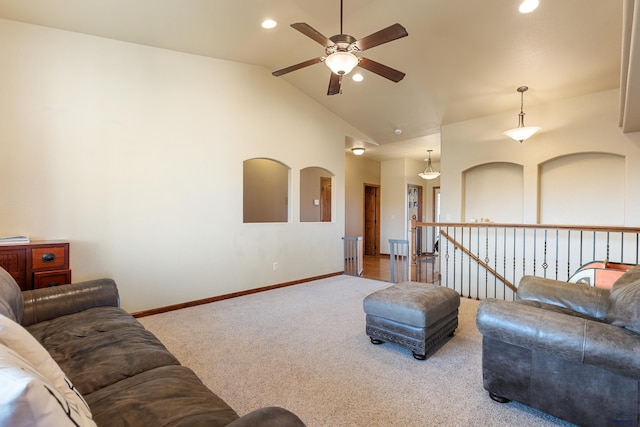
{"x": 624, "y": 301}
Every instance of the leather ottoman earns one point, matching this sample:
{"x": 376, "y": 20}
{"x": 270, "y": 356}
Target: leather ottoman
{"x": 413, "y": 315}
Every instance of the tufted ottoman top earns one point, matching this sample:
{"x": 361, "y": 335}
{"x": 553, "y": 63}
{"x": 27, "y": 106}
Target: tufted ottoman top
{"x": 412, "y": 303}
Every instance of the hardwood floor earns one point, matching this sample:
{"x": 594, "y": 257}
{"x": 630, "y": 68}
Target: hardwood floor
{"x": 376, "y": 267}
{"x": 379, "y": 268}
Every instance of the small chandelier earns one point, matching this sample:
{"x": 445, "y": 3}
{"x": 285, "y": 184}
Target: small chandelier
{"x": 429, "y": 172}
{"x": 522, "y": 132}
{"x": 341, "y": 62}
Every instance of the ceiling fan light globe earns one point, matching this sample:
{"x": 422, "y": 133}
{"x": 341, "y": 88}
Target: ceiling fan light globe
{"x": 341, "y": 62}
{"x": 521, "y": 133}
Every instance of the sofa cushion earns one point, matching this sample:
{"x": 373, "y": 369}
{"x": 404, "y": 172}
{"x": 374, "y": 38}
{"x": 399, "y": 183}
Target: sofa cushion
{"x": 166, "y": 396}
{"x": 11, "y": 304}
{"x": 624, "y": 301}
{"x": 28, "y": 398}
{"x": 100, "y": 346}
{"x": 23, "y": 343}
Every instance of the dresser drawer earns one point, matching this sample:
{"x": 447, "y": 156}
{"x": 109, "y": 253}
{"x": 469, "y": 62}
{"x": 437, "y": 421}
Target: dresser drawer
{"x": 51, "y": 278}
{"x": 14, "y": 261}
{"x": 48, "y": 258}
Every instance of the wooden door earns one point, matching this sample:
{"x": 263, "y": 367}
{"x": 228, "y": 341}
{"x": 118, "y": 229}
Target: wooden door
{"x": 371, "y": 219}
{"x": 325, "y": 199}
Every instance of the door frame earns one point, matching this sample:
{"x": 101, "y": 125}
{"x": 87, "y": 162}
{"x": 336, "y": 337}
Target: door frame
{"x": 325, "y": 198}
{"x": 376, "y": 218}
{"x": 418, "y": 205}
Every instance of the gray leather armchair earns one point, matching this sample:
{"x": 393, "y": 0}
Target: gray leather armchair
{"x": 569, "y": 350}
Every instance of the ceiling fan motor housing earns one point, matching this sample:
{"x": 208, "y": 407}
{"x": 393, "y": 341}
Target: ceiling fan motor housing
{"x": 342, "y": 43}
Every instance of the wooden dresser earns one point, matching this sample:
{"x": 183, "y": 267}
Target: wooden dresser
{"x": 38, "y": 264}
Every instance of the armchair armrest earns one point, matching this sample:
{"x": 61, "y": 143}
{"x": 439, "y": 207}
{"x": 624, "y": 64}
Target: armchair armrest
{"x": 268, "y": 417}
{"x": 571, "y": 338}
{"x": 49, "y": 303}
{"x": 583, "y": 299}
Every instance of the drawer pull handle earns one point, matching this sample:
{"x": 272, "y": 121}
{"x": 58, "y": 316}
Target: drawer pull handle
{"x": 48, "y": 257}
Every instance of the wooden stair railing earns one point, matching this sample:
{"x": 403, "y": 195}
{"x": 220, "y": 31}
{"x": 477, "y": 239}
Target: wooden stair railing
{"x": 479, "y": 261}
{"x": 488, "y": 259}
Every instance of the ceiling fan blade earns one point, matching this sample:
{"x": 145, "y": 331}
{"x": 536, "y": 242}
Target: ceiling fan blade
{"x": 392, "y": 32}
{"x": 381, "y": 70}
{"x": 296, "y": 67}
{"x": 335, "y": 84}
{"x": 312, "y": 33}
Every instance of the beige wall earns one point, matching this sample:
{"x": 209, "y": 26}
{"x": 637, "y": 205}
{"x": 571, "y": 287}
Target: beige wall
{"x": 493, "y": 192}
{"x": 359, "y": 170}
{"x": 396, "y": 175}
{"x": 599, "y": 160}
{"x": 135, "y": 154}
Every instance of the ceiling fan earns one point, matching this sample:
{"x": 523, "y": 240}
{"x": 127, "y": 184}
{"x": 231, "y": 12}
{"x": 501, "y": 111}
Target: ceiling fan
{"x": 342, "y": 49}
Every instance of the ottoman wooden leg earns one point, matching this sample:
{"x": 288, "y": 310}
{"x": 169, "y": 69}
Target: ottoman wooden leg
{"x": 419, "y": 356}
{"x": 498, "y": 398}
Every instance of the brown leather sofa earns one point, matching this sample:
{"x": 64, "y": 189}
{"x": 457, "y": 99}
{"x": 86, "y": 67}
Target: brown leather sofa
{"x": 569, "y": 350}
{"x": 125, "y": 374}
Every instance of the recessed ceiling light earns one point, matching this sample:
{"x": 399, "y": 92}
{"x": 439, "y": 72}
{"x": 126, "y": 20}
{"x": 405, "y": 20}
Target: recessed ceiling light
{"x": 528, "y": 6}
{"x": 269, "y": 23}
{"x": 398, "y": 131}
{"x": 357, "y": 77}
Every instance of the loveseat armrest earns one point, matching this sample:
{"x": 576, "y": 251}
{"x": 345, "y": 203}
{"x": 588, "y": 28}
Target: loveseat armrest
{"x": 49, "y": 303}
{"x": 583, "y": 299}
{"x": 272, "y": 416}
{"x": 567, "y": 337}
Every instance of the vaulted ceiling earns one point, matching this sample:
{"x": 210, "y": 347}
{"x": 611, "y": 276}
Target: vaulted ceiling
{"x": 463, "y": 59}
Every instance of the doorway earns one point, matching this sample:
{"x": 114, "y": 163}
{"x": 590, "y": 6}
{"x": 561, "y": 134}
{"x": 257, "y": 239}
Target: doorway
{"x": 414, "y": 205}
{"x": 371, "y": 219}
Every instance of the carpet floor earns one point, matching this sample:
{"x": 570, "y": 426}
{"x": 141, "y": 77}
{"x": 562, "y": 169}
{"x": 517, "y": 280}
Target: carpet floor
{"x": 304, "y": 348}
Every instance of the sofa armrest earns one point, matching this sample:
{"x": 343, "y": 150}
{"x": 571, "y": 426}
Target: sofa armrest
{"x": 583, "y": 299}
{"x": 567, "y": 337}
{"x": 49, "y": 303}
{"x": 268, "y": 417}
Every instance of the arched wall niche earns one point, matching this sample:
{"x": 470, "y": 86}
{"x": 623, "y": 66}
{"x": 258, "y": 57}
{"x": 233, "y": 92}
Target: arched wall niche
{"x": 582, "y": 189}
{"x": 265, "y": 190}
{"x": 493, "y": 192}
{"x": 316, "y": 195}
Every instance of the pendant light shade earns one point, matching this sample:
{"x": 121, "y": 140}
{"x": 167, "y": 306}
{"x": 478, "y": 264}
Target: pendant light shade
{"x": 429, "y": 172}
{"x": 528, "y": 6}
{"x": 522, "y": 132}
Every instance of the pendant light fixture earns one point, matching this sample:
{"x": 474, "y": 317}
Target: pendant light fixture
{"x": 522, "y": 132}
{"x": 429, "y": 172}
{"x": 528, "y": 6}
